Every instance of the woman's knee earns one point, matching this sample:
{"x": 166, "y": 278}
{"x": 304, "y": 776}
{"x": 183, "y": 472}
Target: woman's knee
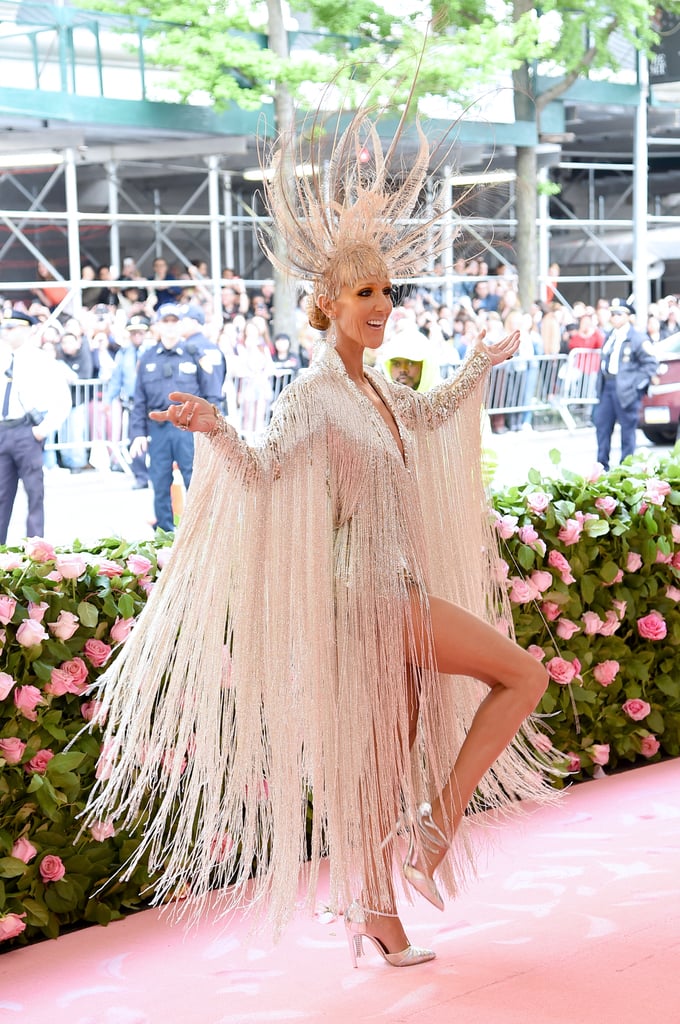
{"x": 536, "y": 682}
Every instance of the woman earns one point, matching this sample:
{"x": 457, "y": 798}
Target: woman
{"x": 336, "y": 640}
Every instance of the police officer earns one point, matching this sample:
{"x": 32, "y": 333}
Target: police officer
{"x": 122, "y": 386}
{"x": 209, "y": 355}
{"x": 165, "y": 367}
{"x": 34, "y": 402}
{"x": 627, "y": 366}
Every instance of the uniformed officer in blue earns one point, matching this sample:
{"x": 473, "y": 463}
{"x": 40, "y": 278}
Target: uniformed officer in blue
{"x": 34, "y": 402}
{"x": 122, "y": 386}
{"x": 627, "y": 366}
{"x": 168, "y": 366}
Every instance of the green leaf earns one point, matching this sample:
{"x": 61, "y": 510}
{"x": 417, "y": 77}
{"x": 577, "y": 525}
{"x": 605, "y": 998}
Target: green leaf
{"x": 526, "y": 556}
{"x": 64, "y": 763}
{"x": 609, "y": 572}
{"x": 555, "y": 456}
{"x": 126, "y": 606}
{"x": 596, "y": 527}
{"x": 88, "y": 614}
{"x": 11, "y": 867}
{"x": 37, "y": 913}
{"x": 654, "y": 721}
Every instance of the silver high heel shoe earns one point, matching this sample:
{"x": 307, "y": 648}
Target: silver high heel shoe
{"x": 356, "y": 929}
{"x": 427, "y": 836}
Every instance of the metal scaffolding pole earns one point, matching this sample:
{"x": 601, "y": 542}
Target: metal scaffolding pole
{"x": 72, "y": 228}
{"x": 640, "y": 198}
{"x": 214, "y": 207}
{"x": 114, "y": 234}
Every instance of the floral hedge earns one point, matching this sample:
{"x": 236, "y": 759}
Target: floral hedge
{"x": 592, "y": 566}
{"x": 63, "y": 615}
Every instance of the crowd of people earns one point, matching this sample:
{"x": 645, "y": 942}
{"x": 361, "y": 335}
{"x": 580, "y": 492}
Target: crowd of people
{"x": 249, "y": 363}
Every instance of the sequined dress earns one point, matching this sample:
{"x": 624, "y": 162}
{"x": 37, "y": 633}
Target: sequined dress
{"x": 270, "y": 664}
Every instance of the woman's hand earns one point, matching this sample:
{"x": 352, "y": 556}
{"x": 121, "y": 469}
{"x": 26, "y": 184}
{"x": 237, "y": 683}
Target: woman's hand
{"x": 191, "y": 413}
{"x": 500, "y": 350}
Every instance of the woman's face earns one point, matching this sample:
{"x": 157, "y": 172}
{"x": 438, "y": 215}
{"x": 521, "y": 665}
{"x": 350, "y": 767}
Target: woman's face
{"x": 361, "y": 313}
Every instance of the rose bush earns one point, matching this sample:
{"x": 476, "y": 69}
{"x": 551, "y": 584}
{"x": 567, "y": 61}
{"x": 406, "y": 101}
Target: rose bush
{"x": 63, "y": 617}
{"x": 608, "y": 625}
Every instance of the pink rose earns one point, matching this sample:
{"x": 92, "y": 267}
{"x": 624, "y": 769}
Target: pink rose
{"x": 97, "y": 652}
{"x": 506, "y": 526}
{"x": 673, "y": 594}
{"x": 610, "y": 624}
{"x": 557, "y": 560}
{"x": 37, "y": 611}
{"x": 26, "y": 699}
{"x": 617, "y": 579}
{"x": 139, "y": 565}
{"x": 102, "y": 830}
{"x": 107, "y": 757}
{"x": 538, "y": 501}
{"x": 10, "y": 560}
{"x": 40, "y": 761}
{"x": 541, "y": 580}
{"x": 121, "y": 628}
{"x": 584, "y": 517}
{"x": 652, "y": 626}
{"x": 649, "y": 746}
{"x": 636, "y": 709}
{"x": 71, "y": 566}
{"x": 606, "y": 504}
{"x": 599, "y": 753}
{"x": 11, "y": 925}
{"x": 7, "y": 608}
{"x": 566, "y": 629}
{"x": 606, "y": 672}
{"x": 660, "y": 557}
{"x": 536, "y": 652}
{"x": 591, "y": 623}
{"x": 39, "y": 550}
{"x": 541, "y": 742}
{"x": 70, "y": 677}
{"x": 574, "y": 762}
{"x": 31, "y": 633}
{"x": 90, "y": 710}
{"x": 162, "y": 557}
{"x": 561, "y": 671}
{"x": 12, "y": 749}
{"x": 23, "y": 850}
{"x": 657, "y": 490}
{"x": 146, "y": 584}
{"x": 551, "y": 610}
{"x": 633, "y": 562}
{"x": 620, "y": 608}
{"x": 675, "y": 561}
{"x": 570, "y": 532}
{"x": 6, "y": 684}
{"x": 675, "y": 533}
{"x": 527, "y": 534}
{"x": 65, "y": 626}
{"x": 521, "y": 590}
{"x": 595, "y": 473}
{"x": 52, "y": 868}
{"x": 500, "y": 573}
{"x": 106, "y": 567}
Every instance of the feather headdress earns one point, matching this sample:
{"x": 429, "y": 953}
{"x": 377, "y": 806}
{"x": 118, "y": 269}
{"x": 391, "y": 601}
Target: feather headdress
{"x": 357, "y": 210}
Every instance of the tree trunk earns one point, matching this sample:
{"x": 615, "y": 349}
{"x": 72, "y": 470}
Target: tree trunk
{"x": 284, "y": 297}
{"x": 526, "y": 201}
{"x": 526, "y": 192}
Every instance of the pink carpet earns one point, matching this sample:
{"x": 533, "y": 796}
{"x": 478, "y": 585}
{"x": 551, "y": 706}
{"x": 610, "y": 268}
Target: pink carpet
{"x": 574, "y": 920}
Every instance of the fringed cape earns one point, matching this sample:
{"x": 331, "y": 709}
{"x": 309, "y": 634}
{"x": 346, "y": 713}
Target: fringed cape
{"x": 270, "y": 664}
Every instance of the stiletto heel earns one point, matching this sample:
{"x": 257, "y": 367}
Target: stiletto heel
{"x": 356, "y": 928}
{"x": 425, "y": 835}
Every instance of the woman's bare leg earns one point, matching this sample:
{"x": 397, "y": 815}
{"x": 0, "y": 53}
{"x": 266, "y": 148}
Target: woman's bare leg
{"x": 466, "y": 645}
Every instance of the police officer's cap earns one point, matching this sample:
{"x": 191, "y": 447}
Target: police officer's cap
{"x": 621, "y": 306}
{"x": 168, "y": 309}
{"x": 193, "y": 313}
{"x": 17, "y": 318}
{"x": 138, "y": 323}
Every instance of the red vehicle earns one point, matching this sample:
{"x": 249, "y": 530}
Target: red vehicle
{"x": 660, "y": 411}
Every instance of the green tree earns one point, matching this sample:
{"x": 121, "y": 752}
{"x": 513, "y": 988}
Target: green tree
{"x": 238, "y": 51}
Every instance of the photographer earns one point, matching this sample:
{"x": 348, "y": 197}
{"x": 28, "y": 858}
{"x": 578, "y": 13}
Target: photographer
{"x": 34, "y": 401}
